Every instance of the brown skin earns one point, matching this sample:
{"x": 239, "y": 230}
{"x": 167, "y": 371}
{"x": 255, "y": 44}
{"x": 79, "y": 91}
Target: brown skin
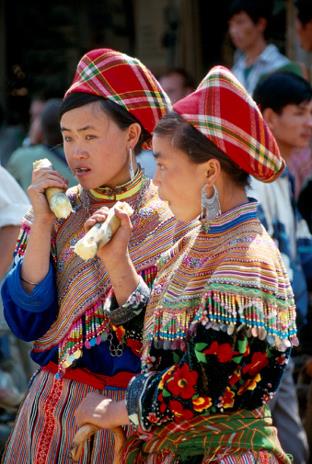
{"x": 93, "y": 142}
{"x": 304, "y": 32}
{"x": 102, "y": 412}
{"x": 175, "y": 170}
{"x": 292, "y": 128}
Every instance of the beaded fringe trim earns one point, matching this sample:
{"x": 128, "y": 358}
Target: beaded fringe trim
{"x": 264, "y": 316}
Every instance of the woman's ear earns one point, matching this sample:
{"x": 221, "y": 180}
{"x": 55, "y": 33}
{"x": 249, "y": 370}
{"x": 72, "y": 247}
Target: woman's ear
{"x": 134, "y": 132}
{"x": 270, "y": 117}
{"x": 262, "y": 24}
{"x": 211, "y": 170}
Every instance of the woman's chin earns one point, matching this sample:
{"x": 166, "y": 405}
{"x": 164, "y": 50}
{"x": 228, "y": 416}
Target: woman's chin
{"x": 183, "y": 216}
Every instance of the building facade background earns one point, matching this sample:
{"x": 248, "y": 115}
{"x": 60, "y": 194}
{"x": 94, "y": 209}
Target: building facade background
{"x": 40, "y": 46}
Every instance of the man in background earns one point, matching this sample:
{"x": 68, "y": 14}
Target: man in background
{"x": 50, "y": 146}
{"x": 177, "y": 83}
{"x": 304, "y": 23}
{"x": 254, "y": 57}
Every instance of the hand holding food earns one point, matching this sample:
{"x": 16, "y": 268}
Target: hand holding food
{"x": 101, "y": 233}
{"x": 58, "y": 201}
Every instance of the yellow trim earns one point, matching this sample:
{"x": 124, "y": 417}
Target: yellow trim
{"x": 118, "y": 196}
{"x": 131, "y": 189}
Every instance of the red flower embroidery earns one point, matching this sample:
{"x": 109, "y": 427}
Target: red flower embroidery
{"x": 182, "y": 382}
{"x": 266, "y": 397}
{"x": 135, "y": 346}
{"x": 281, "y": 360}
{"x": 258, "y": 362}
{"x": 250, "y": 384}
{"x": 227, "y": 400}
{"x": 152, "y": 418}
{"x": 235, "y": 377}
{"x": 162, "y": 405}
{"x": 223, "y": 351}
{"x": 119, "y": 332}
{"x": 201, "y": 403}
{"x": 179, "y": 411}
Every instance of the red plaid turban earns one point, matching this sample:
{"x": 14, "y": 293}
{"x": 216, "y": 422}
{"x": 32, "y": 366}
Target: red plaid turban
{"x": 123, "y": 80}
{"x": 225, "y": 113}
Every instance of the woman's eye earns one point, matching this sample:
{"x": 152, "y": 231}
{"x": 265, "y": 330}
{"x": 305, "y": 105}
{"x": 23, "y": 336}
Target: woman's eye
{"x": 161, "y": 167}
{"x": 67, "y": 138}
{"x": 90, "y": 137}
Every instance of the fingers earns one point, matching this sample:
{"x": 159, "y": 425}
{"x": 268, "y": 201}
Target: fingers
{"x": 124, "y": 218}
{"x": 81, "y": 436}
{"x": 45, "y": 177}
{"x": 99, "y": 216}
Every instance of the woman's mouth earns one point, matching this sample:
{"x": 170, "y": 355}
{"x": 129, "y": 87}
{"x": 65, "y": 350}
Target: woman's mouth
{"x": 81, "y": 171}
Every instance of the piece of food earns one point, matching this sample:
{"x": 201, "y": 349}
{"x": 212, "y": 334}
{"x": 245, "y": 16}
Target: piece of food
{"x": 100, "y": 233}
{"x": 58, "y": 201}
{"x": 86, "y": 431}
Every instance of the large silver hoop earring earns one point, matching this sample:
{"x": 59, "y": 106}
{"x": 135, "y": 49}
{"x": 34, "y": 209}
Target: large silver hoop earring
{"x": 210, "y": 207}
{"x": 131, "y": 164}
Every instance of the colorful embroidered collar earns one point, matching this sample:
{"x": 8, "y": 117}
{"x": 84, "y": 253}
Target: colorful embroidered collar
{"x": 232, "y": 218}
{"x": 227, "y": 276}
{"x": 121, "y": 192}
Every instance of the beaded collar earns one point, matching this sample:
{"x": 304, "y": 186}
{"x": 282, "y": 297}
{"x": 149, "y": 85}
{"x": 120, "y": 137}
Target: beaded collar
{"x": 120, "y": 192}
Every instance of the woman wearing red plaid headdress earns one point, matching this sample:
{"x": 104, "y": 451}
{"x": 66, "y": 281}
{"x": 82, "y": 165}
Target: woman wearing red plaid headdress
{"x": 220, "y": 320}
{"x": 58, "y": 300}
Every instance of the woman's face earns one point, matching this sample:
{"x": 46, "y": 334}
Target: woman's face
{"x": 96, "y": 149}
{"x": 179, "y": 180}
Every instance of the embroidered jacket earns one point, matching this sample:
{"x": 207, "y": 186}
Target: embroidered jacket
{"x": 218, "y": 326}
{"x": 65, "y": 314}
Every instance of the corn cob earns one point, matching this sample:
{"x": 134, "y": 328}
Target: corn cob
{"x": 100, "y": 233}
{"x": 58, "y": 201}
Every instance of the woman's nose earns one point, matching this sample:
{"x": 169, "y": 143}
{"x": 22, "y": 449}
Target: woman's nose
{"x": 156, "y": 179}
{"x": 79, "y": 152}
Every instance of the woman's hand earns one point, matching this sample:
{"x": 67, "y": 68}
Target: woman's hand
{"x": 100, "y": 411}
{"x": 115, "y": 255}
{"x": 42, "y": 178}
{"x": 116, "y": 251}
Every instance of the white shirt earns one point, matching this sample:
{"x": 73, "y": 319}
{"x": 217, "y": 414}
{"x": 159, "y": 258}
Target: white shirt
{"x": 268, "y": 61}
{"x": 13, "y": 200}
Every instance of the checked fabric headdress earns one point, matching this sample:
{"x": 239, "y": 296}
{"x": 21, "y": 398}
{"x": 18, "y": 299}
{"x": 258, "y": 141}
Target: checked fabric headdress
{"x": 123, "y": 80}
{"x": 223, "y": 111}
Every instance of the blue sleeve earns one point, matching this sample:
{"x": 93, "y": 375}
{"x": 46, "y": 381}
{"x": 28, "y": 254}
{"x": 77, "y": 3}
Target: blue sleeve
{"x": 29, "y": 315}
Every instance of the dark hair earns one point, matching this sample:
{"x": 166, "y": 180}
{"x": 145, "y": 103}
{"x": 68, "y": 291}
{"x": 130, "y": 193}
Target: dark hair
{"x": 198, "y": 147}
{"x": 304, "y": 10}
{"x": 255, "y": 9}
{"x": 280, "y": 89}
{"x": 119, "y": 115}
{"x": 50, "y": 122}
{"x": 188, "y": 80}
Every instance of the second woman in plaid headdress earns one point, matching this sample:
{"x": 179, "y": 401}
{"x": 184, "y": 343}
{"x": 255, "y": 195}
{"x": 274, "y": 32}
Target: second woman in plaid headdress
{"x": 220, "y": 320}
{"x": 108, "y": 114}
